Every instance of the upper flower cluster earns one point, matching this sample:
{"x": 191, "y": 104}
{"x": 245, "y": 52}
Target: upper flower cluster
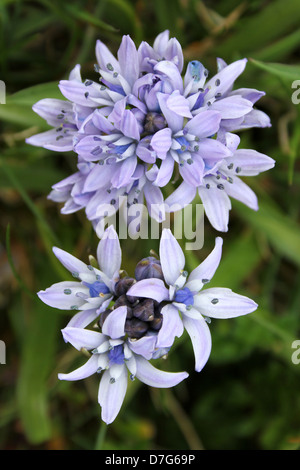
{"x": 127, "y": 321}
{"x": 145, "y": 122}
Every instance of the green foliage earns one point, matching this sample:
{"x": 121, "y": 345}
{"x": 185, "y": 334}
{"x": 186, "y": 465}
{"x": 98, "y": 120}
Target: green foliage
{"x": 247, "y": 395}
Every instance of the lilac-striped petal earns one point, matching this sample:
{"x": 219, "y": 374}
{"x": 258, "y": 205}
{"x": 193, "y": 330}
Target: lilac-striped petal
{"x": 129, "y": 125}
{"x": 98, "y": 177}
{"x": 63, "y": 295}
{"x": 51, "y": 140}
{"x": 222, "y": 82}
{"x": 161, "y": 142}
{"x": 105, "y": 58}
{"x": 123, "y": 172}
{"x": 206, "y": 270}
{"x": 153, "y": 377}
{"x": 204, "y": 124}
{"x": 223, "y": 303}
{"x": 216, "y": 205}
{"x": 165, "y": 172}
{"x": 232, "y": 107}
{"x": 150, "y": 289}
{"x": 54, "y": 111}
{"x": 172, "y": 73}
{"x": 179, "y": 105}
{"x": 242, "y": 192}
{"x": 199, "y": 333}
{"x": 155, "y": 202}
{"x": 144, "y": 346}
{"x": 88, "y": 369}
{"x": 82, "y": 338}
{"x": 83, "y": 318}
{"x": 69, "y": 261}
{"x": 192, "y": 173}
{"x": 250, "y": 162}
{"x": 111, "y": 395}
{"x": 109, "y": 252}
{"x": 171, "y": 257}
{"x": 171, "y": 327}
{"x": 175, "y": 122}
{"x": 114, "y": 323}
{"x": 181, "y": 197}
{"x": 128, "y": 60}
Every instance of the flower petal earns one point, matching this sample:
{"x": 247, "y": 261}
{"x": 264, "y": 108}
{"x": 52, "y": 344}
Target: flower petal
{"x": 171, "y": 327}
{"x": 114, "y": 323}
{"x": 204, "y": 124}
{"x": 62, "y": 295}
{"x": 171, "y": 257}
{"x": 88, "y": 369}
{"x": 206, "y": 270}
{"x": 109, "y": 252}
{"x": 223, "y": 303}
{"x": 217, "y": 206}
{"x": 72, "y": 264}
{"x": 149, "y": 288}
{"x": 111, "y": 395}
{"x": 199, "y": 333}
{"x": 161, "y": 142}
{"x": 82, "y": 338}
{"x": 153, "y": 377}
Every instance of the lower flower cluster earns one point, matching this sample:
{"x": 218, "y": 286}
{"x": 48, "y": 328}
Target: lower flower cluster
{"x": 127, "y": 322}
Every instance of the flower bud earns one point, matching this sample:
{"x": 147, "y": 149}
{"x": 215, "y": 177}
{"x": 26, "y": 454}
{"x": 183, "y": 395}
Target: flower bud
{"x": 148, "y": 268}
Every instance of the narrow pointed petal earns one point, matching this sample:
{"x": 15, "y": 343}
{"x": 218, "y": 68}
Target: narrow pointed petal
{"x": 171, "y": 327}
{"x": 62, "y": 295}
{"x": 105, "y": 58}
{"x": 114, "y": 324}
{"x": 165, "y": 172}
{"x": 51, "y": 140}
{"x": 225, "y": 77}
{"x": 88, "y": 369}
{"x": 72, "y": 264}
{"x": 123, "y": 172}
{"x": 181, "y": 197}
{"x": 175, "y": 121}
{"x": 206, "y": 270}
{"x": 144, "y": 346}
{"x": 204, "y": 124}
{"x": 161, "y": 142}
{"x": 155, "y": 202}
{"x": 250, "y": 162}
{"x": 109, "y": 252}
{"x": 217, "y": 206}
{"x": 232, "y": 107}
{"x": 153, "y": 377}
{"x": 171, "y": 257}
{"x": 111, "y": 395}
{"x": 223, "y": 303}
{"x": 128, "y": 60}
{"x": 83, "y": 318}
{"x": 179, "y": 105}
{"x": 199, "y": 333}
{"x": 82, "y": 338}
{"x": 242, "y": 192}
{"x": 150, "y": 289}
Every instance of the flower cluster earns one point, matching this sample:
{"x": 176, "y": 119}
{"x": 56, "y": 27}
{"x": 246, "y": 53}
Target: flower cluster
{"x": 146, "y": 123}
{"x": 125, "y": 322}
{"x": 143, "y": 125}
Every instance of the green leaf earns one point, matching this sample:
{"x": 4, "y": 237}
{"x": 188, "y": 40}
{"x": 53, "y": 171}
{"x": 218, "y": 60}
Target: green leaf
{"x": 281, "y": 231}
{"x": 283, "y": 71}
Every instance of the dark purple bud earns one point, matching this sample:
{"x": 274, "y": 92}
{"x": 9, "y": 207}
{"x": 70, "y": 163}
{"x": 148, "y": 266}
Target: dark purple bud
{"x": 103, "y": 316}
{"x": 144, "y": 310}
{"x": 148, "y": 268}
{"x": 135, "y": 328}
{"x": 123, "y": 285}
{"x": 156, "y": 323}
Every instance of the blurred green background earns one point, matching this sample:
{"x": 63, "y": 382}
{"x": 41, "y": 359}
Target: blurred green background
{"x": 247, "y": 396}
